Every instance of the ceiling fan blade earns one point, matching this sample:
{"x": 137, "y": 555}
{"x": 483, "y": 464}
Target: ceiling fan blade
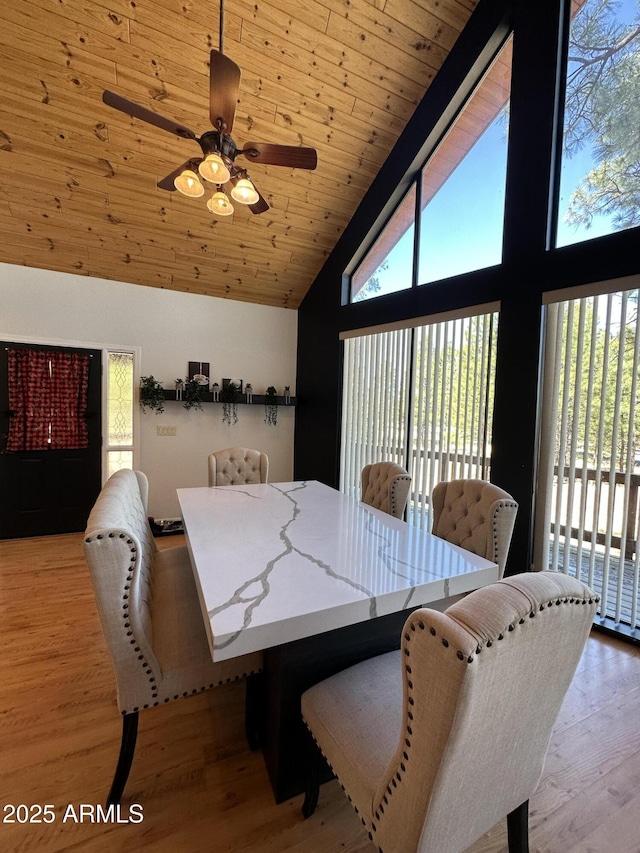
{"x": 259, "y": 206}
{"x": 167, "y": 183}
{"x": 224, "y": 85}
{"x": 142, "y": 113}
{"x": 281, "y": 155}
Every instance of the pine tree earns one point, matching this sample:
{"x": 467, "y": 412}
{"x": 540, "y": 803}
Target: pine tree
{"x": 602, "y": 110}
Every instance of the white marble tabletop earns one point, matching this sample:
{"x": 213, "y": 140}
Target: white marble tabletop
{"x": 280, "y": 561}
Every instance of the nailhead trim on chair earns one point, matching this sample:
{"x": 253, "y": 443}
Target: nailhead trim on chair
{"x": 145, "y": 665}
{"x": 462, "y": 530}
{"x": 501, "y": 505}
{"x": 380, "y": 485}
{"x": 394, "y": 487}
{"x": 127, "y": 624}
{"x": 411, "y": 701}
{"x": 379, "y": 811}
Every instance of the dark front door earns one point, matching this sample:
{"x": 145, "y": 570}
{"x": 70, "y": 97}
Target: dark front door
{"x": 46, "y": 491}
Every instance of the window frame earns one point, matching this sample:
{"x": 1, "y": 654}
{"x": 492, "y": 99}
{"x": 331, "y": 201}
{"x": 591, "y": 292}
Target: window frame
{"x": 412, "y": 177}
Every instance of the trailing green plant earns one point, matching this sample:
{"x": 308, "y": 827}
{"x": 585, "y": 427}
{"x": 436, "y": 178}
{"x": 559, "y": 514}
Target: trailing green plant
{"x": 151, "y": 394}
{"x": 229, "y": 397}
{"x": 271, "y": 406}
{"x": 193, "y": 394}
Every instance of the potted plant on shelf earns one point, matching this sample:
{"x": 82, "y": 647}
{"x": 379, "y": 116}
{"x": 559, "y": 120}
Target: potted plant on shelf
{"x": 229, "y": 396}
{"x": 271, "y": 406}
{"x": 193, "y": 394}
{"x": 151, "y": 394}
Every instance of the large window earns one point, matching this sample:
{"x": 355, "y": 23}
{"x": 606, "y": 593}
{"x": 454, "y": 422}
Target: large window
{"x": 388, "y": 265}
{"x": 587, "y": 515}
{"x": 459, "y": 194}
{"x": 422, "y": 397}
{"x": 600, "y": 176}
{"x": 463, "y": 184}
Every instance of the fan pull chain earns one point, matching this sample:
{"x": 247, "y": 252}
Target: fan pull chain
{"x": 221, "y": 39}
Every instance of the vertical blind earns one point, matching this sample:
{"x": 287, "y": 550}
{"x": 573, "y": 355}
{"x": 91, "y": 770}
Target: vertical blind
{"x": 587, "y": 508}
{"x": 454, "y": 364}
{"x": 422, "y": 397}
{"x": 374, "y": 411}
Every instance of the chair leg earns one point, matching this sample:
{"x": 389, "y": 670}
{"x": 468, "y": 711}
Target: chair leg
{"x": 312, "y": 791}
{"x": 125, "y": 759}
{"x": 518, "y": 829}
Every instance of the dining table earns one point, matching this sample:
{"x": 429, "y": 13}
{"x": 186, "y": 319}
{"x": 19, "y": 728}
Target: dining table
{"x": 318, "y": 581}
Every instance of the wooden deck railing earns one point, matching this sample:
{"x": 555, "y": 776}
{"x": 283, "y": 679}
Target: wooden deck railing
{"x": 599, "y": 478}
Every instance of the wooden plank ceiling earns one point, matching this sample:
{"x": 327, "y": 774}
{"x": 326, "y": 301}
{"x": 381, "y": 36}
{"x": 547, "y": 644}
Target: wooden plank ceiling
{"x": 78, "y": 179}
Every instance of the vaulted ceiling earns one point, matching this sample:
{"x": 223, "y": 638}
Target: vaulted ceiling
{"x": 78, "y": 179}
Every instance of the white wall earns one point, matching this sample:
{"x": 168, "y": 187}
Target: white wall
{"x": 254, "y": 343}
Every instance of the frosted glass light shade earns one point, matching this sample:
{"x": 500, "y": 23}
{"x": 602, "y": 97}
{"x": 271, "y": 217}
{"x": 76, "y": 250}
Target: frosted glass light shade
{"x": 213, "y": 169}
{"x": 189, "y": 184}
{"x": 245, "y": 192}
{"x": 220, "y": 204}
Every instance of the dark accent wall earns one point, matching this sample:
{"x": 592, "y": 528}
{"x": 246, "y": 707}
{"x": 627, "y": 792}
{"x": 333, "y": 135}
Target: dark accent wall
{"x": 527, "y": 271}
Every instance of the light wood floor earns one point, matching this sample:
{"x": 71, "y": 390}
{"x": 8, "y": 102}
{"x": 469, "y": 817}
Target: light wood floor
{"x": 200, "y": 787}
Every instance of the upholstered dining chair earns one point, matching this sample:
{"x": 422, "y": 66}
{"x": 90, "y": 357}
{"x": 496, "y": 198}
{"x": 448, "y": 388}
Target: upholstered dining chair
{"x": 385, "y": 486}
{"x": 238, "y": 465}
{"x": 477, "y": 515}
{"x": 150, "y": 613}
{"x": 436, "y": 743}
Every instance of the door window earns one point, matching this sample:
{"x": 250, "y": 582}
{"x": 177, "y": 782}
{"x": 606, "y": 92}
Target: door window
{"x": 119, "y": 438}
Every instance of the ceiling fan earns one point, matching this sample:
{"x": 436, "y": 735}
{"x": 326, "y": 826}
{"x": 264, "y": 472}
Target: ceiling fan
{"x": 217, "y": 165}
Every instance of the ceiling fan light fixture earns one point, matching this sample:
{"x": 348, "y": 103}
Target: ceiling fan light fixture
{"x": 216, "y": 145}
{"x": 220, "y": 204}
{"x": 244, "y": 192}
{"x": 213, "y": 169}
{"x": 189, "y": 184}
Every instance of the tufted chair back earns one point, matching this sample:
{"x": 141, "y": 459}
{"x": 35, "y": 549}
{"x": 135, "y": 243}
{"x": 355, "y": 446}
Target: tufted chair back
{"x": 150, "y": 612}
{"x": 476, "y": 515}
{"x": 120, "y": 552}
{"x": 436, "y": 743}
{"x": 238, "y": 465}
{"x": 385, "y": 486}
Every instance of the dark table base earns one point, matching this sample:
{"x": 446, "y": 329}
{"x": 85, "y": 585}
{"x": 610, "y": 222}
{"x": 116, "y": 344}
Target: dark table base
{"x": 291, "y": 669}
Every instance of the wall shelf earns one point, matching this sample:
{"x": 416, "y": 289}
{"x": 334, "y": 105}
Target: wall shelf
{"x": 257, "y": 399}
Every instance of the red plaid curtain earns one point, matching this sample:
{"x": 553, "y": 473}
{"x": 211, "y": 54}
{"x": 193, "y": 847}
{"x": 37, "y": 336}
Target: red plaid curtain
{"x": 48, "y": 400}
